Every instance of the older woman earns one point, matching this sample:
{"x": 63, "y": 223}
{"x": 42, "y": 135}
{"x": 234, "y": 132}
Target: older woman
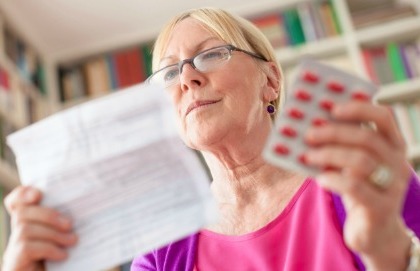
{"x": 223, "y": 78}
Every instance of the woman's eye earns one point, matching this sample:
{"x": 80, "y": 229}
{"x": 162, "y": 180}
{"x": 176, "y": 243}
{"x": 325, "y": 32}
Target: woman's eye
{"x": 170, "y": 74}
{"x": 212, "y": 55}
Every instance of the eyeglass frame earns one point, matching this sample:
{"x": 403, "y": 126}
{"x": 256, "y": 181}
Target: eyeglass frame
{"x": 190, "y": 61}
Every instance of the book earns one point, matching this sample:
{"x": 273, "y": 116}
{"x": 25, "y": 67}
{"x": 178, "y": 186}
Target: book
{"x": 337, "y": 25}
{"x": 96, "y": 73}
{"x": 121, "y": 68}
{"x": 405, "y": 57}
{"x": 147, "y": 56}
{"x": 272, "y": 27}
{"x": 369, "y": 65}
{"x": 38, "y": 78}
{"x": 307, "y": 19}
{"x": 395, "y": 61}
{"x": 294, "y": 27}
{"x": 327, "y": 18}
{"x": 26, "y": 60}
{"x": 112, "y": 76}
{"x": 381, "y": 65}
{"x": 135, "y": 66}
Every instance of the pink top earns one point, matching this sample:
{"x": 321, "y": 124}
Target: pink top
{"x": 305, "y": 236}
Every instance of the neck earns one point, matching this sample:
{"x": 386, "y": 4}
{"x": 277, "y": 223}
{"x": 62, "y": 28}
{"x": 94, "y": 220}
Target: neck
{"x": 249, "y": 191}
{"x": 249, "y": 195}
{"x": 243, "y": 182}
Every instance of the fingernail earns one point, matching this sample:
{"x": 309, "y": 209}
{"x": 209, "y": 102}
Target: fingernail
{"x": 72, "y": 238}
{"x": 30, "y": 195}
{"x": 64, "y": 222}
{"x": 309, "y": 136}
{"x": 309, "y": 156}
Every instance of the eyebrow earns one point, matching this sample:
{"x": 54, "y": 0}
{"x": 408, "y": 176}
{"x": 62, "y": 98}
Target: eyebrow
{"x": 198, "y": 48}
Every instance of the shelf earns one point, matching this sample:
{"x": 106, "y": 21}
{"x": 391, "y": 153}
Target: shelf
{"x": 382, "y": 33}
{"x": 11, "y": 68}
{"x": 399, "y": 91}
{"x": 8, "y": 176}
{"x": 326, "y": 47}
{"x": 414, "y": 153}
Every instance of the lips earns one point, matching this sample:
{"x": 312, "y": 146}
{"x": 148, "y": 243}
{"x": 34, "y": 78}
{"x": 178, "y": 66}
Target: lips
{"x": 198, "y": 104}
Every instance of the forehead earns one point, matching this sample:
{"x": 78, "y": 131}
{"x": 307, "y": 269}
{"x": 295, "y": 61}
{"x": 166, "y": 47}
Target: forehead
{"x": 189, "y": 36}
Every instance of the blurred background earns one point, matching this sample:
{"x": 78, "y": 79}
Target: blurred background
{"x": 56, "y": 54}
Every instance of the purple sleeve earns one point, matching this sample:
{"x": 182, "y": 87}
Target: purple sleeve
{"x": 177, "y": 256}
{"x": 144, "y": 263}
{"x": 411, "y": 212}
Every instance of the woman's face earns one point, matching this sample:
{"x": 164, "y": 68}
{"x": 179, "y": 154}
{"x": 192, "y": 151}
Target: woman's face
{"x": 219, "y": 106}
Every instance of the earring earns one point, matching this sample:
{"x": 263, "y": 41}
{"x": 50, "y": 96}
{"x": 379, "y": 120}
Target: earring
{"x": 271, "y": 109}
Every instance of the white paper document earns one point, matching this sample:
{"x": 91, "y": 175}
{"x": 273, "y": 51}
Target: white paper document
{"x": 117, "y": 168}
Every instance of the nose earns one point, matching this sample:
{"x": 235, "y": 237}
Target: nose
{"x": 186, "y": 61}
{"x": 189, "y": 77}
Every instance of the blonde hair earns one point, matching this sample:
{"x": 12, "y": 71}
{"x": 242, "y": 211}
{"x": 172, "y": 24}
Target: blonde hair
{"x": 231, "y": 29}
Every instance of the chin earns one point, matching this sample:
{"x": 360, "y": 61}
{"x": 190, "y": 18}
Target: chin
{"x": 202, "y": 139}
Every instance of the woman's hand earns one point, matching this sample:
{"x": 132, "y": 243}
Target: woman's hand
{"x": 350, "y": 153}
{"x": 38, "y": 233}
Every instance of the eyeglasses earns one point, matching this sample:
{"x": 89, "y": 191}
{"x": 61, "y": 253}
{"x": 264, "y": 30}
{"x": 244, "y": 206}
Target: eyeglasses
{"x": 204, "y": 61}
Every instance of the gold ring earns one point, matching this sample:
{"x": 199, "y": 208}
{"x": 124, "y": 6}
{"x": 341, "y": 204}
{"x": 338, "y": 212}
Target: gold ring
{"x": 381, "y": 177}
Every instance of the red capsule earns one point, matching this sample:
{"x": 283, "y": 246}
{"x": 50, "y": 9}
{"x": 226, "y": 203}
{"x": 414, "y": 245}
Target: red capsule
{"x": 310, "y": 77}
{"x": 360, "y": 96}
{"x": 329, "y": 168}
{"x": 288, "y": 131}
{"x": 335, "y": 86}
{"x": 302, "y": 159}
{"x": 296, "y": 113}
{"x": 319, "y": 122}
{"x": 281, "y": 149}
{"x": 327, "y": 105}
{"x": 303, "y": 95}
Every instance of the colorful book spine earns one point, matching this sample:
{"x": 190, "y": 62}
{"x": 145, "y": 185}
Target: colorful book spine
{"x": 26, "y": 60}
{"x": 336, "y": 22}
{"x": 395, "y": 61}
{"x": 294, "y": 27}
{"x": 113, "y": 83}
{"x": 147, "y": 56}
{"x": 272, "y": 27}
{"x": 392, "y": 62}
{"x": 307, "y": 20}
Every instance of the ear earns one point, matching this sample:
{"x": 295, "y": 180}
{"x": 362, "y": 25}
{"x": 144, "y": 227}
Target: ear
{"x": 272, "y": 82}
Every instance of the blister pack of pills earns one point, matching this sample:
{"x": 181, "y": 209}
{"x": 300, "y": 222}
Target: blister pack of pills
{"x": 310, "y": 97}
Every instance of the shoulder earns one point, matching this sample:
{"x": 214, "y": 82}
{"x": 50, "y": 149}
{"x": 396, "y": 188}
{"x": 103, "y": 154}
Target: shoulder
{"x": 177, "y": 255}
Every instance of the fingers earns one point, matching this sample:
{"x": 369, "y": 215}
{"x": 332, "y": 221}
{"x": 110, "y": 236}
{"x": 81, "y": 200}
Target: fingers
{"x": 40, "y": 215}
{"x": 22, "y": 195}
{"x": 366, "y": 112}
{"x": 349, "y": 187}
{"x": 351, "y": 136}
{"x": 39, "y": 233}
{"x": 356, "y": 162}
{"x": 35, "y": 251}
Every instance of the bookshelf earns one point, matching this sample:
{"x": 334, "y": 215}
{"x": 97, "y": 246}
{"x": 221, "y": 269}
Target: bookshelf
{"x": 23, "y": 96}
{"x": 66, "y": 79}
